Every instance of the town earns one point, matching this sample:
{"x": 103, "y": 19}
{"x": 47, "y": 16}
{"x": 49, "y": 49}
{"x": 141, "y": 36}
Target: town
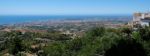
{"x": 74, "y": 28}
{"x": 36, "y": 39}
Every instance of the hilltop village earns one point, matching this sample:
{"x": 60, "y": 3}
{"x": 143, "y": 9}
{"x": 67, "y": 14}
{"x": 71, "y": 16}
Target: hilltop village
{"x": 140, "y": 19}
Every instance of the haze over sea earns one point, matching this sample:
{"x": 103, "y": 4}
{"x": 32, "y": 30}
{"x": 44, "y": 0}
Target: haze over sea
{"x": 22, "y": 19}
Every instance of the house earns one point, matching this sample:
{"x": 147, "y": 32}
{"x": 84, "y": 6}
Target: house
{"x": 145, "y": 21}
{"x": 141, "y": 19}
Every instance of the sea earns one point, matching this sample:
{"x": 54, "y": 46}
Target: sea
{"x": 16, "y": 19}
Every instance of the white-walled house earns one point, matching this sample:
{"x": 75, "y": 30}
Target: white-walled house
{"x": 142, "y": 19}
{"x": 145, "y": 22}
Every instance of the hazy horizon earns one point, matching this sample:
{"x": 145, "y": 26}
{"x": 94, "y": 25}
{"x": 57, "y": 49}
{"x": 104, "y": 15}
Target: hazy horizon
{"x": 22, "y": 19}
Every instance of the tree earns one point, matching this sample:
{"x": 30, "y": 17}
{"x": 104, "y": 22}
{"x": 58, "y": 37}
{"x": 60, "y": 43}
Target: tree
{"x": 95, "y": 32}
{"x": 16, "y": 46}
{"x": 144, "y": 33}
{"x": 127, "y": 31}
{"x": 126, "y": 48}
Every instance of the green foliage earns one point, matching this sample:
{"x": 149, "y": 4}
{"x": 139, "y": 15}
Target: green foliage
{"x": 126, "y": 47}
{"x": 16, "y": 46}
{"x": 55, "y": 49}
{"x": 85, "y": 46}
{"x": 144, "y": 33}
{"x": 98, "y": 46}
{"x": 98, "y": 31}
{"x": 96, "y": 42}
{"x": 126, "y": 32}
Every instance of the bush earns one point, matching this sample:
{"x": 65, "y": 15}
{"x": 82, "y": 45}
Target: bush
{"x": 94, "y": 32}
{"x": 126, "y": 48}
{"x": 144, "y": 33}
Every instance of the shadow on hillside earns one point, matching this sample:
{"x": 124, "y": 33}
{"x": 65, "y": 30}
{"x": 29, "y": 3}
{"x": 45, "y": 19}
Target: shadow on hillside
{"x": 126, "y": 48}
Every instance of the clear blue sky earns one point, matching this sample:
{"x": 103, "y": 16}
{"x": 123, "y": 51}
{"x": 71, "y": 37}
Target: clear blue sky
{"x": 72, "y": 7}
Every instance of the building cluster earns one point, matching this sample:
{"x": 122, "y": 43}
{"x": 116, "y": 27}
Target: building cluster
{"x": 141, "y": 19}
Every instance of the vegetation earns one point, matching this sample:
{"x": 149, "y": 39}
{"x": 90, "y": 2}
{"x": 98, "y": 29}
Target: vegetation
{"x": 98, "y": 41}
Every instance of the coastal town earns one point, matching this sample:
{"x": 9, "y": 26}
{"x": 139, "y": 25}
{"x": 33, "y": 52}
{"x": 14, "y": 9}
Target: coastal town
{"x": 42, "y": 35}
{"x": 74, "y": 28}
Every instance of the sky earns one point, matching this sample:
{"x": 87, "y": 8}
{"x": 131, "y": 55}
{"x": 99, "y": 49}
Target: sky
{"x": 72, "y": 7}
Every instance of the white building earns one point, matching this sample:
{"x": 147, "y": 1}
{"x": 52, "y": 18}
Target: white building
{"x": 142, "y": 19}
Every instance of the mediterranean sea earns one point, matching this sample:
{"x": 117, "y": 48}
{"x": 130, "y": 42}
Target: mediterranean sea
{"x": 22, "y": 19}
